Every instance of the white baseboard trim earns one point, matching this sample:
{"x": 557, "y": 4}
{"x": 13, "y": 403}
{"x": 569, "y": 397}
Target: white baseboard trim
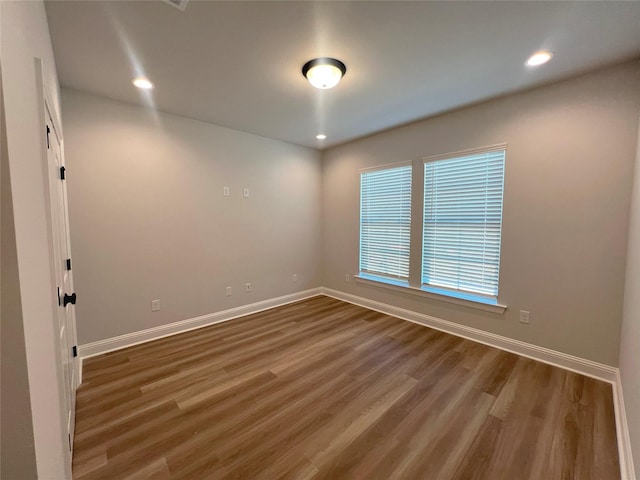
{"x": 128, "y": 340}
{"x": 627, "y": 471}
{"x": 568, "y": 362}
{"x": 589, "y": 368}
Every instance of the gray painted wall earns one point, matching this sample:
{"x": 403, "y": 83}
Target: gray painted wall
{"x": 17, "y": 459}
{"x": 630, "y": 338}
{"x": 149, "y": 220}
{"x": 570, "y": 154}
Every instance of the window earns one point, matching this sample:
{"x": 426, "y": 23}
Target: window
{"x": 385, "y": 221}
{"x": 460, "y": 229}
{"x": 463, "y": 221}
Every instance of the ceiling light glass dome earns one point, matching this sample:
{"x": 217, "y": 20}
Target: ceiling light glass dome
{"x": 324, "y": 73}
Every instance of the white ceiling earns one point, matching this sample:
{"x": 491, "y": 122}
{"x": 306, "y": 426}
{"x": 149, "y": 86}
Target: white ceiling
{"x": 238, "y": 64}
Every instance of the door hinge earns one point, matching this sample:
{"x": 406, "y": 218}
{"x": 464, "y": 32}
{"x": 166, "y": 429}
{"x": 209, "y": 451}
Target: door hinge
{"x": 62, "y": 174}
{"x": 59, "y": 299}
{"x": 69, "y": 442}
{"x": 68, "y": 264}
{"x": 75, "y": 350}
{"x": 69, "y": 299}
{"x": 48, "y": 132}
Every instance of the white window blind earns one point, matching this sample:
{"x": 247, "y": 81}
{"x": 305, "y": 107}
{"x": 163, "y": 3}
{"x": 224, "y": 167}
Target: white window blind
{"x": 385, "y": 221}
{"x": 463, "y": 221}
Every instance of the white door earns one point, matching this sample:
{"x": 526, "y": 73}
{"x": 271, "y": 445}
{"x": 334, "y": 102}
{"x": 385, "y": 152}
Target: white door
{"x": 66, "y": 322}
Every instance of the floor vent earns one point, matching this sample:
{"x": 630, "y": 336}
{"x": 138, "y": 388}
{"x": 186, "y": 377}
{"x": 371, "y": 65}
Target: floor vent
{"x": 179, "y": 4}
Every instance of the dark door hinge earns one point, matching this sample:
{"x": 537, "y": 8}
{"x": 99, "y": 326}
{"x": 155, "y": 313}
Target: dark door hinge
{"x": 59, "y": 299}
{"x": 68, "y": 264}
{"x": 75, "y": 350}
{"x": 48, "y": 132}
{"x": 62, "y": 173}
{"x": 69, "y": 299}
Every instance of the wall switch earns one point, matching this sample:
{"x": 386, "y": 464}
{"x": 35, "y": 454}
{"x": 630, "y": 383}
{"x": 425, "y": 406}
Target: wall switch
{"x": 294, "y": 277}
{"x": 228, "y": 291}
{"x": 225, "y": 191}
{"x": 245, "y": 192}
{"x": 155, "y": 305}
{"x": 524, "y": 316}
{"x": 347, "y": 278}
{"x": 247, "y": 287}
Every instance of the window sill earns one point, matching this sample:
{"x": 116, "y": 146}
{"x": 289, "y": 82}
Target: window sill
{"x": 478, "y": 303}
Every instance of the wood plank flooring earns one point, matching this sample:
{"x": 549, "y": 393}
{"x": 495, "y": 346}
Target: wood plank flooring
{"x": 322, "y": 389}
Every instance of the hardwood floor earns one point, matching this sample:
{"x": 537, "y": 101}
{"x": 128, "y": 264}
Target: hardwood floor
{"x": 322, "y": 389}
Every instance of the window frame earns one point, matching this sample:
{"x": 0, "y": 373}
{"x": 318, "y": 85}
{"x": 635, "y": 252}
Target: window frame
{"x": 444, "y": 290}
{"x": 381, "y": 275}
{"x": 413, "y": 285}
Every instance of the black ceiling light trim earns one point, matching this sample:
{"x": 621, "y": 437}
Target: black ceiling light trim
{"x": 323, "y": 61}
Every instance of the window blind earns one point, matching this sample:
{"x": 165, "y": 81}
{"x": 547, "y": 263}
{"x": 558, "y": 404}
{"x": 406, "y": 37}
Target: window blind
{"x": 385, "y": 221}
{"x": 463, "y": 222}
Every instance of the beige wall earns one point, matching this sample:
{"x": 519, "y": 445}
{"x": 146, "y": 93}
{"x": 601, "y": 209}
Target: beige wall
{"x": 25, "y": 38}
{"x": 149, "y": 220}
{"x": 630, "y": 338}
{"x": 16, "y": 430}
{"x": 566, "y": 207}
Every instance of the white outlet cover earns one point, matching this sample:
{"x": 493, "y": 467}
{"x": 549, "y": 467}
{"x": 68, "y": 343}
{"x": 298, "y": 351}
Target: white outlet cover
{"x": 228, "y": 291}
{"x": 245, "y": 192}
{"x": 155, "y": 305}
{"x": 226, "y": 191}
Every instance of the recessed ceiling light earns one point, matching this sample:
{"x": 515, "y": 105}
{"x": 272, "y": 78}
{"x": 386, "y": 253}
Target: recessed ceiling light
{"x": 539, "y": 58}
{"x": 321, "y": 136}
{"x": 324, "y": 73}
{"x": 142, "y": 83}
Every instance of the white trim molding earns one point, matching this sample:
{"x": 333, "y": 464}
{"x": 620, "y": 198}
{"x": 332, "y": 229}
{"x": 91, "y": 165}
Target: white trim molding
{"x": 589, "y": 368}
{"x": 130, "y": 339}
{"x": 397, "y": 286}
{"x": 463, "y": 153}
{"x": 627, "y": 471}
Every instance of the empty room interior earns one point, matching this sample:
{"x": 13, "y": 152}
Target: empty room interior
{"x": 320, "y": 240}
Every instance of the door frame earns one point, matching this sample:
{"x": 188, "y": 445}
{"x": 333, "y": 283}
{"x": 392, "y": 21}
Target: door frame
{"x": 47, "y": 110}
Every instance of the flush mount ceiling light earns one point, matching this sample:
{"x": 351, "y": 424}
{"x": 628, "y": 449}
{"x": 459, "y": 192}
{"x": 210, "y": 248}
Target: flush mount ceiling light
{"x": 321, "y": 136}
{"x": 142, "y": 83}
{"x": 324, "y": 73}
{"x": 539, "y": 58}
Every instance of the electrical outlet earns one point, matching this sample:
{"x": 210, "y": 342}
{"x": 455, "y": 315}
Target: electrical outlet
{"x": 225, "y": 191}
{"x": 294, "y": 277}
{"x": 228, "y": 291}
{"x": 524, "y": 316}
{"x": 155, "y": 305}
{"x": 247, "y": 287}
{"x": 347, "y": 278}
